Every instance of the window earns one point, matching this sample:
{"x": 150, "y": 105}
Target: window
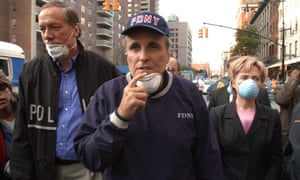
{"x": 290, "y": 50}
{"x": 82, "y": 7}
{"x": 14, "y": 7}
{"x": 13, "y": 23}
{"x": 90, "y": 12}
{"x": 13, "y": 38}
{"x": 296, "y": 46}
{"x": 82, "y": 20}
{"x": 89, "y": 24}
{"x": 4, "y": 65}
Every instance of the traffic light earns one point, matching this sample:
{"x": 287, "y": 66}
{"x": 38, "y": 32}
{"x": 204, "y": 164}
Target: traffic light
{"x": 106, "y": 5}
{"x": 201, "y": 33}
{"x": 116, "y": 5}
{"x": 206, "y": 33}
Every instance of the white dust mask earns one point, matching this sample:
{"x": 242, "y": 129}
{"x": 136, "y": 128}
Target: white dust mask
{"x": 58, "y": 51}
{"x": 150, "y": 82}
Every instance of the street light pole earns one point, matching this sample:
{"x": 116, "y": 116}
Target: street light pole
{"x": 283, "y": 46}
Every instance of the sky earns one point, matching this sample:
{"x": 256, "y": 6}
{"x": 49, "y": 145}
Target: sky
{"x": 197, "y": 12}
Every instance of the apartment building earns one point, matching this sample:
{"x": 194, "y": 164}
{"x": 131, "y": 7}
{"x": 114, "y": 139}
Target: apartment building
{"x": 181, "y": 41}
{"x": 266, "y": 21}
{"x": 247, "y": 9}
{"x": 17, "y": 24}
{"x": 279, "y": 22}
{"x": 289, "y": 30}
{"x": 100, "y": 29}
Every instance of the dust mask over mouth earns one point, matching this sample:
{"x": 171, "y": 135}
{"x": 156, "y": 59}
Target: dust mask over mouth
{"x": 150, "y": 82}
{"x": 248, "y": 89}
{"x": 59, "y": 51}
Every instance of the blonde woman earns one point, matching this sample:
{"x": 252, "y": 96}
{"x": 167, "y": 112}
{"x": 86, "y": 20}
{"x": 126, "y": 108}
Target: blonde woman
{"x": 249, "y": 134}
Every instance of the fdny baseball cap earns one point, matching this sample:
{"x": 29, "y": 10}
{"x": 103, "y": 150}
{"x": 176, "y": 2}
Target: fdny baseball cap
{"x": 149, "y": 20}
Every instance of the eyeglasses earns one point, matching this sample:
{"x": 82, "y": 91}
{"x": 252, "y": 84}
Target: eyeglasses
{"x": 3, "y": 86}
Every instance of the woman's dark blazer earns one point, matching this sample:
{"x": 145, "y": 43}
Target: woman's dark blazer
{"x": 253, "y": 156}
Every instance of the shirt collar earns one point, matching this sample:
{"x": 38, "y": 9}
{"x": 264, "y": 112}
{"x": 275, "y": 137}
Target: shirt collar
{"x": 73, "y": 59}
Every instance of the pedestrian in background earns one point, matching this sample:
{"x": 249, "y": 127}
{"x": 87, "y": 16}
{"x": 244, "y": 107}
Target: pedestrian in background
{"x": 8, "y": 101}
{"x": 225, "y": 94}
{"x": 55, "y": 89}
{"x": 287, "y": 96}
{"x": 148, "y": 124}
{"x": 173, "y": 66}
{"x": 249, "y": 134}
{"x": 293, "y": 165}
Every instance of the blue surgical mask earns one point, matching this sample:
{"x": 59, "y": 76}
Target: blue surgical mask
{"x": 248, "y": 89}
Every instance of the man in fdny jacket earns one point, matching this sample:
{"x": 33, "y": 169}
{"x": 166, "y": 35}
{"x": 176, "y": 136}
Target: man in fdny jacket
{"x": 148, "y": 124}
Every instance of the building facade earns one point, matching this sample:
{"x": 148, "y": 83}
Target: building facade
{"x": 181, "y": 41}
{"x": 246, "y": 11}
{"x": 266, "y": 21}
{"x": 279, "y": 22}
{"x": 100, "y": 29}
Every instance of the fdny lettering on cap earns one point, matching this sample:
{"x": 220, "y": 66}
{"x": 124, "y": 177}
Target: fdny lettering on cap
{"x": 145, "y": 19}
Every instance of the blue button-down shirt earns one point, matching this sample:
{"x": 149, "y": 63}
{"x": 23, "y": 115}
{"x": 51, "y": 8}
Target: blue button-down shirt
{"x": 70, "y": 113}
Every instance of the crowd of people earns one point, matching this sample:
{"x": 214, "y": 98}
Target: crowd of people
{"x": 76, "y": 117}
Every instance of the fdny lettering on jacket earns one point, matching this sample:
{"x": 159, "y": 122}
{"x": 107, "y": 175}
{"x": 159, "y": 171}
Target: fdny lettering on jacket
{"x": 185, "y": 115}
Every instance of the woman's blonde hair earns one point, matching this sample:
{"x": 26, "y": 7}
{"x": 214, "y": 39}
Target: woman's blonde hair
{"x": 245, "y": 63}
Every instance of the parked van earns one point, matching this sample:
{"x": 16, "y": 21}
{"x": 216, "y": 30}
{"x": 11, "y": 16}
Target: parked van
{"x": 12, "y": 59}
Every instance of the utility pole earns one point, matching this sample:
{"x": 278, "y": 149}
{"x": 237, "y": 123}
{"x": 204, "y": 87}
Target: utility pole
{"x": 283, "y": 46}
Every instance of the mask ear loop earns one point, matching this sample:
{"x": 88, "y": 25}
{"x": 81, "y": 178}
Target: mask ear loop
{"x": 71, "y": 36}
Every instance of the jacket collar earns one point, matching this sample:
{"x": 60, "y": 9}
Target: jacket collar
{"x": 260, "y": 119}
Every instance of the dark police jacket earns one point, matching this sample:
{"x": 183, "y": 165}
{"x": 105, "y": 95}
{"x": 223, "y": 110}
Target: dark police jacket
{"x": 34, "y": 139}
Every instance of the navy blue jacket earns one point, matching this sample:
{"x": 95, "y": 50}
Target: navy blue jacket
{"x": 171, "y": 138}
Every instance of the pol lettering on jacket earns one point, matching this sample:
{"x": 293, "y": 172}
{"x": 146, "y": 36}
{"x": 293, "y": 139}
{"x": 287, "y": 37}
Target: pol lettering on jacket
{"x": 38, "y": 112}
